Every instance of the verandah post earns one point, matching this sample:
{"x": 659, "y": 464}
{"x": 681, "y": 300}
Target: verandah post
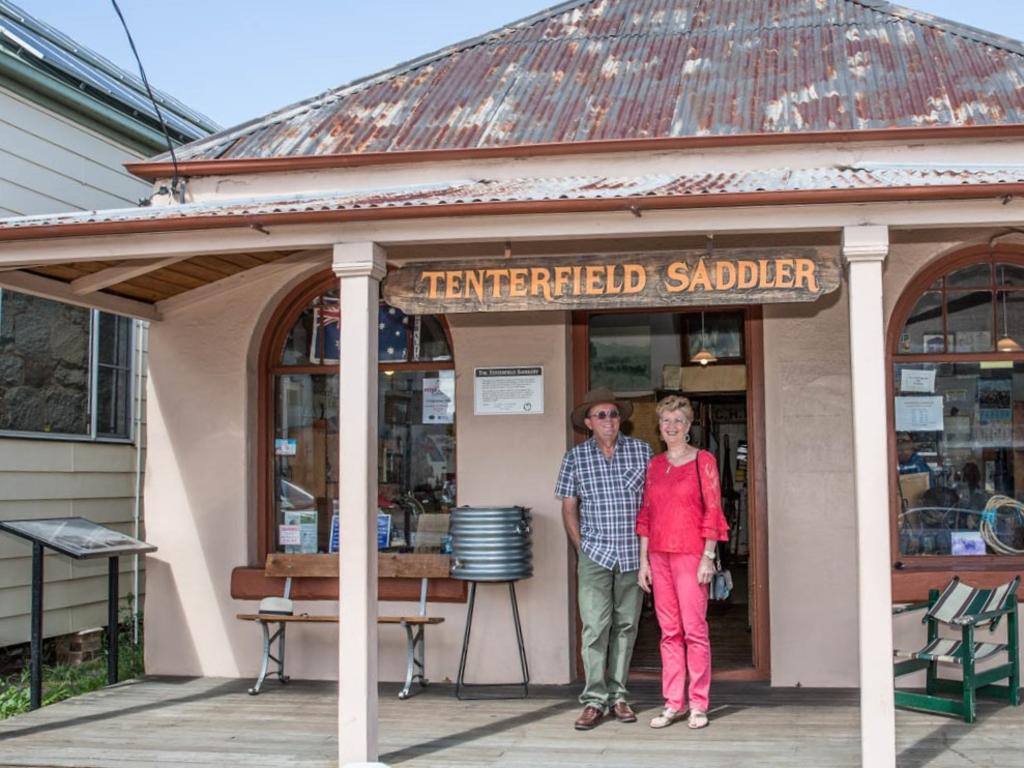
{"x": 864, "y": 250}
{"x": 359, "y": 267}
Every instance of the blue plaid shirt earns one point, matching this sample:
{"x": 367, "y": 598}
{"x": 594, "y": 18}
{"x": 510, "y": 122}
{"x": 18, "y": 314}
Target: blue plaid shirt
{"x": 610, "y": 493}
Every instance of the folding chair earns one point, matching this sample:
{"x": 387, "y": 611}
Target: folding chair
{"x": 965, "y": 609}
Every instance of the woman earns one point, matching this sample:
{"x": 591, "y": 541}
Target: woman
{"x": 679, "y": 525}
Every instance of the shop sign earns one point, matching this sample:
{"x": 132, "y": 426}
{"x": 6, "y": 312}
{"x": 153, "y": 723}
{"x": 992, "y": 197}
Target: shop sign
{"x": 511, "y": 391}
{"x": 609, "y": 281}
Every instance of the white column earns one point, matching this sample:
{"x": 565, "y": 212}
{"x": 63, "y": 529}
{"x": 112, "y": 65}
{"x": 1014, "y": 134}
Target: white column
{"x": 360, "y": 267}
{"x": 865, "y": 249}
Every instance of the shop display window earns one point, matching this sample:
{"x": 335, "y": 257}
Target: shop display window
{"x": 416, "y": 431}
{"x": 958, "y": 417}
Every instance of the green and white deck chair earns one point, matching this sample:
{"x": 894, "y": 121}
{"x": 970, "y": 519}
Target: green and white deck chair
{"x": 965, "y": 609}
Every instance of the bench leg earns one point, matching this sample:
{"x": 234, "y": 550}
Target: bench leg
{"x": 268, "y": 656}
{"x": 416, "y": 652}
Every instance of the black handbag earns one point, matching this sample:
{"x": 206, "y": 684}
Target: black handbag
{"x": 720, "y": 586}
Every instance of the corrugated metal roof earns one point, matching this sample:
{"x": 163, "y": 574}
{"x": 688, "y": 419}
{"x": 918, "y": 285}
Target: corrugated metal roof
{"x": 467, "y": 192}
{"x": 591, "y": 70}
{"x": 49, "y": 50}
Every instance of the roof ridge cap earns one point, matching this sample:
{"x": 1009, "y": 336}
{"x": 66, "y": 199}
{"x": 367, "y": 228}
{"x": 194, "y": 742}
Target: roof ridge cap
{"x": 946, "y": 25}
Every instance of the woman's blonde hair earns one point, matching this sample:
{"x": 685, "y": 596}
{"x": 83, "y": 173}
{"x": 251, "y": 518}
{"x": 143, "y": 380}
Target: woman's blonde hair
{"x": 675, "y": 403}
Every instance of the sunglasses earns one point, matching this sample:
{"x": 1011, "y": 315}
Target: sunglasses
{"x": 602, "y": 415}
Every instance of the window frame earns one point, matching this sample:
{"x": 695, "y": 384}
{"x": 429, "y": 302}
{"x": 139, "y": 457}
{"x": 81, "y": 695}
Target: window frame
{"x": 93, "y": 400}
{"x": 275, "y": 336}
{"x": 914, "y": 575}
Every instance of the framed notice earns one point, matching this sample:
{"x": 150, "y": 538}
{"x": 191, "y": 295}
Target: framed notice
{"x": 513, "y": 391}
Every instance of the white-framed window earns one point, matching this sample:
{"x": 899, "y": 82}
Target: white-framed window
{"x": 65, "y": 371}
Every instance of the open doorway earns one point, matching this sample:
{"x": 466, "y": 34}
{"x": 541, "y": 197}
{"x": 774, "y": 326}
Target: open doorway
{"x": 644, "y": 356}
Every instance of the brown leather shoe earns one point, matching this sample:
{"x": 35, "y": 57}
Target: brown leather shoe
{"x": 623, "y": 712}
{"x": 590, "y": 717}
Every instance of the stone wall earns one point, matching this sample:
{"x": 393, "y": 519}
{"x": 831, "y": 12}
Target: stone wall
{"x": 44, "y": 365}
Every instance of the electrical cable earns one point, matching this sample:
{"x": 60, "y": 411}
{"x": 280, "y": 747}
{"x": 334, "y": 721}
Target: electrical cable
{"x": 176, "y": 186}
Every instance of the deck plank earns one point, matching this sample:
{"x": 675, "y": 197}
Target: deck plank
{"x": 209, "y": 722}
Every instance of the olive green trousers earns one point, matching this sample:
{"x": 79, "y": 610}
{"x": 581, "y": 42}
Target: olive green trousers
{"x": 609, "y": 603}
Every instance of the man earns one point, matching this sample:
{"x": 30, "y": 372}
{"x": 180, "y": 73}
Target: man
{"x": 601, "y": 484}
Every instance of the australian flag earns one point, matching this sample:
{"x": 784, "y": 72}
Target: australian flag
{"x": 325, "y": 346}
{"x": 392, "y": 335}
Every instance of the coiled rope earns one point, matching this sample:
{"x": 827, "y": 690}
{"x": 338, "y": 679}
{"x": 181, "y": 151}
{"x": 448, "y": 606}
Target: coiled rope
{"x": 988, "y": 520}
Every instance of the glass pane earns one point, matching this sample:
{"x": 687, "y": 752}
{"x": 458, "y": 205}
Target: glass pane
{"x": 974, "y": 276}
{"x": 923, "y": 330}
{"x": 969, "y": 317}
{"x": 296, "y": 348}
{"x": 113, "y": 402}
{"x": 416, "y": 460}
{"x": 114, "y": 340}
{"x": 305, "y": 460}
{"x": 113, "y": 376}
{"x": 629, "y": 352}
{"x": 44, "y": 365}
{"x": 429, "y": 340}
{"x": 314, "y": 338}
{"x": 1010, "y": 317}
{"x": 416, "y": 469}
{"x": 959, "y": 455}
{"x": 1010, "y": 275}
{"x": 720, "y": 333}
{"x": 392, "y": 335}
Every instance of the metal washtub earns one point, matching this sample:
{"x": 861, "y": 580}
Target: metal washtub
{"x": 491, "y": 543}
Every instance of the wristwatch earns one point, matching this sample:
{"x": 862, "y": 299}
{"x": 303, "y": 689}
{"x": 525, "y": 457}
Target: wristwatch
{"x": 709, "y": 555}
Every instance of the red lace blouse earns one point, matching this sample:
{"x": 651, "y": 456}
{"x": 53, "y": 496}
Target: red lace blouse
{"x": 672, "y": 516}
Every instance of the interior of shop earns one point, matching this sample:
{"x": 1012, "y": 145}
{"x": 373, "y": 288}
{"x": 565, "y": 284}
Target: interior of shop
{"x": 646, "y": 356}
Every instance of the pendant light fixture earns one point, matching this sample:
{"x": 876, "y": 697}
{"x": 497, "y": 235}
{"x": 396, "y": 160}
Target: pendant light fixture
{"x": 703, "y": 356}
{"x": 1006, "y": 343}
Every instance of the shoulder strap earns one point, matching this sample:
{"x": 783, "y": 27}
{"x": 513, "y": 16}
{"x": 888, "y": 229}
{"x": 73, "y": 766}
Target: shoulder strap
{"x": 700, "y": 482}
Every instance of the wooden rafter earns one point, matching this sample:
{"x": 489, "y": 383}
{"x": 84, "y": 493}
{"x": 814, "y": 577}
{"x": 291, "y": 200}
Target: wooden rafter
{"x": 48, "y": 288}
{"x": 105, "y": 278}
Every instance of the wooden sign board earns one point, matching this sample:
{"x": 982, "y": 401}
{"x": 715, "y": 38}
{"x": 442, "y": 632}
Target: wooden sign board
{"x": 612, "y": 281}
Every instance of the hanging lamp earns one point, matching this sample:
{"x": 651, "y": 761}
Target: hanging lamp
{"x": 703, "y": 356}
{"x": 1006, "y": 343}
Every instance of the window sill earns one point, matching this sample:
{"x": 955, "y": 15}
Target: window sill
{"x": 912, "y": 582}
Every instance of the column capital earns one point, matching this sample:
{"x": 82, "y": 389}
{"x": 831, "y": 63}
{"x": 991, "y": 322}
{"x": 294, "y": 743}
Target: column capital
{"x": 867, "y": 242}
{"x": 359, "y": 260}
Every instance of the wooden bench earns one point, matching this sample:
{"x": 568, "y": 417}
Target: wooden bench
{"x": 278, "y": 610}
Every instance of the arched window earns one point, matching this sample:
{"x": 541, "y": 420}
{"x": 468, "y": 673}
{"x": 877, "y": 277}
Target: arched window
{"x": 300, "y": 427}
{"x": 957, "y": 414}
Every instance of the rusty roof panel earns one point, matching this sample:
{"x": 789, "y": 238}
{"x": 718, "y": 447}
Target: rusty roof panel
{"x": 865, "y": 176}
{"x": 591, "y": 70}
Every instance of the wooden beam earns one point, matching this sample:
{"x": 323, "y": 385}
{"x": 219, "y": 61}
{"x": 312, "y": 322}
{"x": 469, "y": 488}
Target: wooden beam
{"x": 122, "y": 273}
{"x": 975, "y": 214}
{"x": 48, "y": 288}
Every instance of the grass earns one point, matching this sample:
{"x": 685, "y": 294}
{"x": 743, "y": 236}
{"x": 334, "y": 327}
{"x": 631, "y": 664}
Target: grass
{"x": 62, "y": 682}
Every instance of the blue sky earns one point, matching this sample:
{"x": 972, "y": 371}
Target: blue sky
{"x": 238, "y": 59}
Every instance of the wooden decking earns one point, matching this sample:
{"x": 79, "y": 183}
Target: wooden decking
{"x": 212, "y": 722}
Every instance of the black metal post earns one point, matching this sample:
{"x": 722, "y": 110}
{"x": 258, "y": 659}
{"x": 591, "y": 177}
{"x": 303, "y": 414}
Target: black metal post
{"x": 36, "y": 663}
{"x": 112, "y": 571}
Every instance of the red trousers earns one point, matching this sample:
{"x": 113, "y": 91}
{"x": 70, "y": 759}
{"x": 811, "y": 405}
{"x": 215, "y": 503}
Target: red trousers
{"x": 682, "y": 607}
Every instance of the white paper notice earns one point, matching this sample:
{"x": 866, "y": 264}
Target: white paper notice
{"x": 919, "y": 414}
{"x": 439, "y": 399}
{"x": 289, "y": 535}
{"x": 508, "y": 391}
{"x": 912, "y": 380}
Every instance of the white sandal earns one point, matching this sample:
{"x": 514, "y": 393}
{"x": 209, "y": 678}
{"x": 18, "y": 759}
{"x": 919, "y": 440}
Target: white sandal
{"x": 697, "y": 719}
{"x": 667, "y": 717}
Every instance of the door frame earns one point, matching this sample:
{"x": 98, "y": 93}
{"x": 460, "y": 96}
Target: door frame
{"x": 757, "y": 515}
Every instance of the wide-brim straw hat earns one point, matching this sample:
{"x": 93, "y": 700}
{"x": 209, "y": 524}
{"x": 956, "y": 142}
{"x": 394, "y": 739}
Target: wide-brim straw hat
{"x": 595, "y": 397}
